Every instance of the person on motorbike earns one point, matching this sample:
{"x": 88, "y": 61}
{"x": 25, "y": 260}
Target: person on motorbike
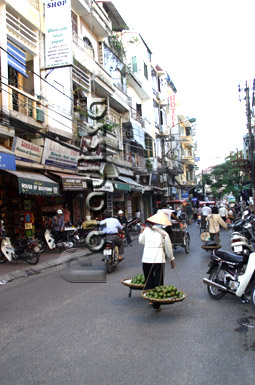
{"x": 206, "y": 210}
{"x": 111, "y": 227}
{"x": 123, "y": 221}
{"x": 58, "y": 225}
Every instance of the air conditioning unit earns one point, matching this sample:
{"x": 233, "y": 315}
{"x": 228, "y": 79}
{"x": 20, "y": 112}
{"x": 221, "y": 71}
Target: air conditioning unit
{"x": 158, "y": 95}
{"x": 39, "y": 115}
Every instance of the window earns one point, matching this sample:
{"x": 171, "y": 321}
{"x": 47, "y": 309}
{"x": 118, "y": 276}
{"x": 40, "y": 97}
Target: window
{"x": 74, "y": 23}
{"x": 145, "y": 70}
{"x": 139, "y": 109}
{"x": 134, "y": 64}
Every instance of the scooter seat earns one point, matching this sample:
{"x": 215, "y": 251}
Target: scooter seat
{"x": 231, "y": 257}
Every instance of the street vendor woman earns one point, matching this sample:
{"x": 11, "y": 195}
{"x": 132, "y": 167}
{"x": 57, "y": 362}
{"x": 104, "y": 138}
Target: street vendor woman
{"x": 157, "y": 246}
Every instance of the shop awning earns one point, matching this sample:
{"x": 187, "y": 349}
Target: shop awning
{"x": 7, "y": 159}
{"x": 122, "y": 186}
{"x": 71, "y": 182}
{"x": 135, "y": 186}
{"x": 16, "y": 58}
{"x": 35, "y": 183}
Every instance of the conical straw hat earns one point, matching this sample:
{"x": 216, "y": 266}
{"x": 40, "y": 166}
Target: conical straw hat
{"x": 160, "y": 218}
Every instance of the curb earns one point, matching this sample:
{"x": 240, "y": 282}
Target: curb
{"x": 32, "y": 270}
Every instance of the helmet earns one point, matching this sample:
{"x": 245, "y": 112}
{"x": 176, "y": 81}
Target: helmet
{"x": 120, "y": 212}
{"x": 59, "y": 211}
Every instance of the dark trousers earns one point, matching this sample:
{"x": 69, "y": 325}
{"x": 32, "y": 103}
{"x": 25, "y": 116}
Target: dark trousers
{"x": 116, "y": 241}
{"x": 127, "y": 236}
{"x": 154, "y": 276}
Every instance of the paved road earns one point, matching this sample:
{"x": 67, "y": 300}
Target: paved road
{"x": 59, "y": 333}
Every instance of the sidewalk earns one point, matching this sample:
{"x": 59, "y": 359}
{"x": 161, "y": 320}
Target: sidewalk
{"x": 12, "y": 270}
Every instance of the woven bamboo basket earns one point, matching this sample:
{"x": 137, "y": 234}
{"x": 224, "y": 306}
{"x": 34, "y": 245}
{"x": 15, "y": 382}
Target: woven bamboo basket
{"x": 133, "y": 286}
{"x": 162, "y": 301}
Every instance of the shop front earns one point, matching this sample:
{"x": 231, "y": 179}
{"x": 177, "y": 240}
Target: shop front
{"x": 23, "y": 196}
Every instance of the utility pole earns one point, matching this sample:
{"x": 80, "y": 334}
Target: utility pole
{"x": 251, "y": 138}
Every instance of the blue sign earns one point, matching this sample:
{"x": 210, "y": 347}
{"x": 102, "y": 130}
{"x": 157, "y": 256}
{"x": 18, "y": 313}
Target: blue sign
{"x": 185, "y": 195}
{"x": 7, "y": 161}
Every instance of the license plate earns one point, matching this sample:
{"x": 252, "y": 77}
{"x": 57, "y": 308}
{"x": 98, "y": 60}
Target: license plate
{"x": 107, "y": 252}
{"x": 36, "y": 249}
{"x": 238, "y": 249}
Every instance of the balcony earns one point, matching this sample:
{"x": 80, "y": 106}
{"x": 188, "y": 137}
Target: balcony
{"x": 21, "y": 32}
{"x": 95, "y": 17}
{"x": 21, "y": 104}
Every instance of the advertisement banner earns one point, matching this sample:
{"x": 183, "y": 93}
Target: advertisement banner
{"x": 7, "y": 161}
{"x": 55, "y": 154}
{"x": 58, "y": 33}
{"x": 26, "y": 151}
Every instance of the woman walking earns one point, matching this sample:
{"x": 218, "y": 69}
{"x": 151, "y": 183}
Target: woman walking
{"x": 157, "y": 246}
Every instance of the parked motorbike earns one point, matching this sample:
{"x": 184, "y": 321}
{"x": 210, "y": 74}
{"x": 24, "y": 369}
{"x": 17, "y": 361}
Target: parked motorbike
{"x": 70, "y": 238}
{"x": 243, "y": 242}
{"x": 134, "y": 226}
{"x": 231, "y": 273}
{"x": 84, "y": 228}
{"x": 25, "y": 248}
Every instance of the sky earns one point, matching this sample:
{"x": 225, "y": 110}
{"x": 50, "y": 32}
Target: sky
{"x": 207, "y": 48}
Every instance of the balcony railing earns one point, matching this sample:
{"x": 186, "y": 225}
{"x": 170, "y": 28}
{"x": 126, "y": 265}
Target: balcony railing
{"x": 21, "y": 31}
{"x": 24, "y": 104}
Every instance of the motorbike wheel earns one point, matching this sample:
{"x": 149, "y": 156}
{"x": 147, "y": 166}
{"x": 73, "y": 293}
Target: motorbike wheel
{"x": 42, "y": 245}
{"x": 187, "y": 243}
{"x": 135, "y": 230}
{"x": 75, "y": 242}
{"x": 3, "y": 259}
{"x": 108, "y": 265}
{"x": 212, "y": 290}
{"x": 33, "y": 259}
{"x": 253, "y": 295}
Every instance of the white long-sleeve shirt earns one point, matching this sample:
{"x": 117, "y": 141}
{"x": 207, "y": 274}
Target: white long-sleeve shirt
{"x": 157, "y": 245}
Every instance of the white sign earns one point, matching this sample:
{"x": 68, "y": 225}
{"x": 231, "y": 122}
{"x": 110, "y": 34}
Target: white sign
{"x": 27, "y": 151}
{"x": 58, "y": 33}
{"x": 59, "y": 156}
{"x": 102, "y": 185}
{"x": 173, "y": 111}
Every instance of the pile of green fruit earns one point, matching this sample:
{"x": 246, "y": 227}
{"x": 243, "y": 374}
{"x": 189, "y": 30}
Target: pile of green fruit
{"x": 164, "y": 292}
{"x": 139, "y": 279}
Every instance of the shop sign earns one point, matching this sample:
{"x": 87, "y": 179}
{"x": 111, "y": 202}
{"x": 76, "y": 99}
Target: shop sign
{"x": 26, "y": 151}
{"x": 37, "y": 187}
{"x": 73, "y": 184}
{"x": 58, "y": 33}
{"x": 7, "y": 161}
{"x": 55, "y": 154}
{"x": 172, "y": 109}
{"x": 102, "y": 185}
{"x": 86, "y": 165}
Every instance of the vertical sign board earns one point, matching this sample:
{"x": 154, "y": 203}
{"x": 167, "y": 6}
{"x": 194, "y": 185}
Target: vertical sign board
{"x": 173, "y": 112}
{"x": 58, "y": 33}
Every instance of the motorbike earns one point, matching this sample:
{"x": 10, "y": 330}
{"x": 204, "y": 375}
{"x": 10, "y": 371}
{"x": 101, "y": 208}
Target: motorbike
{"x": 70, "y": 238}
{"x": 98, "y": 242}
{"x": 84, "y": 228}
{"x": 26, "y": 248}
{"x": 243, "y": 242}
{"x": 231, "y": 273}
{"x": 111, "y": 254}
{"x": 134, "y": 226}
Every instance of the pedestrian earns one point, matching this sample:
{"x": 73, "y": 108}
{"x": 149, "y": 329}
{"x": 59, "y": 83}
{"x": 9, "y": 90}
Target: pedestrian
{"x": 157, "y": 246}
{"x": 123, "y": 221}
{"x": 67, "y": 215}
{"x": 189, "y": 212}
{"x": 223, "y": 212}
{"x": 215, "y": 221}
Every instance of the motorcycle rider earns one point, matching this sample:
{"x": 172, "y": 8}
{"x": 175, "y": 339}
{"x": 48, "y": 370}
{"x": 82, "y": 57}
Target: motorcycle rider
{"x": 123, "y": 221}
{"x": 206, "y": 210}
{"x": 112, "y": 226}
{"x": 58, "y": 225}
